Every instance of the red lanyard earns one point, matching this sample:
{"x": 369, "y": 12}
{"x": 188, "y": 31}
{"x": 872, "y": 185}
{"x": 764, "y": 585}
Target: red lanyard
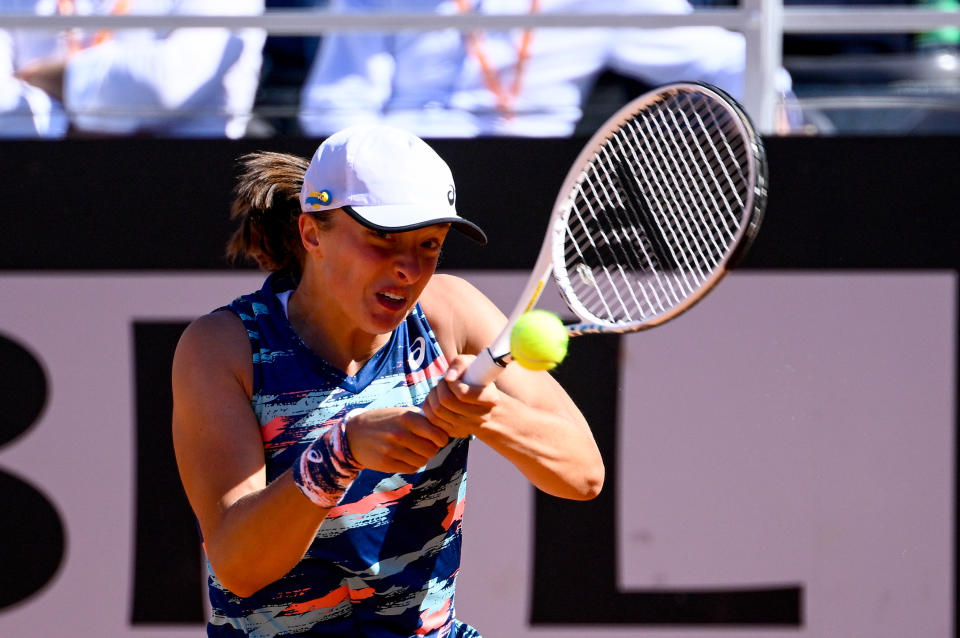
{"x": 491, "y": 78}
{"x": 68, "y": 8}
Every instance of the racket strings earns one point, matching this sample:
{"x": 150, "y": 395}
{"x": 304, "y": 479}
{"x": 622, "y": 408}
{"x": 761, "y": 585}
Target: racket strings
{"x": 607, "y": 226}
{"x": 689, "y": 226}
{"x": 608, "y": 251}
{"x": 672, "y": 220}
{"x": 699, "y": 153}
{"x": 687, "y": 166}
{"x": 657, "y": 210}
{"x": 615, "y": 239}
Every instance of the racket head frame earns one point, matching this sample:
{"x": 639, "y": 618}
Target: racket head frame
{"x": 550, "y": 259}
{"x": 754, "y": 208}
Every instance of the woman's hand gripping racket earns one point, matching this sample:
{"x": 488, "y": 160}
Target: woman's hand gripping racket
{"x": 663, "y": 200}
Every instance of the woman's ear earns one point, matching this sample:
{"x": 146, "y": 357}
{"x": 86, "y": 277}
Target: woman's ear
{"x": 309, "y": 233}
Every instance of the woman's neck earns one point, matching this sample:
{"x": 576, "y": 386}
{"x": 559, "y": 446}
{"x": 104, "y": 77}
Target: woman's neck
{"x": 336, "y": 340}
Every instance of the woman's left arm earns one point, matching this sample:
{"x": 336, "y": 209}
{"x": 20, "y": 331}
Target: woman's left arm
{"x": 525, "y": 416}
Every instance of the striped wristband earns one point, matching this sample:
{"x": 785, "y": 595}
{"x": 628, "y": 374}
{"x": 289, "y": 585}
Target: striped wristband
{"x": 326, "y": 469}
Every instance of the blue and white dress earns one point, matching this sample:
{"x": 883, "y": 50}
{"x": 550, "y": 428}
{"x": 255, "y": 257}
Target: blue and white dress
{"x": 385, "y": 560}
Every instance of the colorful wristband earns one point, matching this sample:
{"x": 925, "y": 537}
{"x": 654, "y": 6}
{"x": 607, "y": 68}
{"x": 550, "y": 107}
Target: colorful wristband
{"x": 327, "y": 468}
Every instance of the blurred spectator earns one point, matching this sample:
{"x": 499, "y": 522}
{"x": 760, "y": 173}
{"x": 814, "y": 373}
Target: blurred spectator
{"x": 527, "y": 83}
{"x": 182, "y": 82}
{"x": 285, "y": 61}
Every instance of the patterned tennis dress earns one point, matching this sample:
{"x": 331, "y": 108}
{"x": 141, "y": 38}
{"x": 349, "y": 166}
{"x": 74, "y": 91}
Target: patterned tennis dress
{"x": 385, "y": 560}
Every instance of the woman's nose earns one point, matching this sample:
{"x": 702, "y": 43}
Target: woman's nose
{"x": 407, "y": 266}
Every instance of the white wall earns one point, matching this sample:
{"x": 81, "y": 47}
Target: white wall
{"x": 793, "y": 427}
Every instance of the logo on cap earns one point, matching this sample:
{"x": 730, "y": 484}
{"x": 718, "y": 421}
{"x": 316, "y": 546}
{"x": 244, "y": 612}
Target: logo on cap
{"x": 452, "y": 195}
{"x": 319, "y": 199}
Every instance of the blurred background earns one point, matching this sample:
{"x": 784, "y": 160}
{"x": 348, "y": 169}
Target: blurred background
{"x": 781, "y": 461}
{"x": 802, "y": 68}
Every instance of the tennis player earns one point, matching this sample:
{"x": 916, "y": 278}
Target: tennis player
{"x": 320, "y": 428}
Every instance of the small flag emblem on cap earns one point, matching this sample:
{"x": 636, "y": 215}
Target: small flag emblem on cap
{"x": 318, "y": 199}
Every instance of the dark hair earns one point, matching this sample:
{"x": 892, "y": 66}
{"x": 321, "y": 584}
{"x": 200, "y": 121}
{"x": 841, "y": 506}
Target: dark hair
{"x": 267, "y": 206}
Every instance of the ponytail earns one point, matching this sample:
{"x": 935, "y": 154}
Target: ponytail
{"x": 267, "y": 206}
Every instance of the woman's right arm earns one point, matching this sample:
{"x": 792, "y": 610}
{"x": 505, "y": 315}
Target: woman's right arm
{"x": 253, "y": 533}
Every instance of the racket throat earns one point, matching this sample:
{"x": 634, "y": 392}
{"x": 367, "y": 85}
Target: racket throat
{"x": 486, "y": 367}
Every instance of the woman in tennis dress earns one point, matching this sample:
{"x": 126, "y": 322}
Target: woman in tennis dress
{"x": 320, "y": 428}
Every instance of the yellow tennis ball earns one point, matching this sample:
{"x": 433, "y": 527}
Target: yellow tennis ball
{"x": 538, "y": 341}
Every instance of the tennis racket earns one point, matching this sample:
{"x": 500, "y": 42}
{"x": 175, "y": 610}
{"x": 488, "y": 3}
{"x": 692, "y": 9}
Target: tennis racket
{"x": 659, "y": 205}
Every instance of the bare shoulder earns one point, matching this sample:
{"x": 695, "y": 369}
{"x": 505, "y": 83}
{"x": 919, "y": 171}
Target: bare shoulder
{"x": 460, "y": 314}
{"x": 445, "y": 289}
{"x": 213, "y": 342}
{"x": 217, "y": 332}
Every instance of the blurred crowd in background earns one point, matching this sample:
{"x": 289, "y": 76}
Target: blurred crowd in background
{"x": 441, "y": 83}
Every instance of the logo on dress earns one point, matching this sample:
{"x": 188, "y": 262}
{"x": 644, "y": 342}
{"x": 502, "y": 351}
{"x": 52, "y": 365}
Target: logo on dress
{"x": 418, "y": 350}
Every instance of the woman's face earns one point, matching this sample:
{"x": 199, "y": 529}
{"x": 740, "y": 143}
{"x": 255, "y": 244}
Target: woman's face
{"x": 373, "y": 278}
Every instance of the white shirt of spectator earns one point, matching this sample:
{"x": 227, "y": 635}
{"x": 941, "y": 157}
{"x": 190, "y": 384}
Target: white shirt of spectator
{"x": 186, "y": 82}
{"x": 429, "y": 83}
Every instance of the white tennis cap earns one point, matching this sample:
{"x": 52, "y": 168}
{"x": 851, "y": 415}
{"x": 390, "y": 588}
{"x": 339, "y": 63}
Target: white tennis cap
{"x": 385, "y": 178}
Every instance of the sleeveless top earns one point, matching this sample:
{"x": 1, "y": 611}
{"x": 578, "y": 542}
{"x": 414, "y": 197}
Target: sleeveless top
{"x": 384, "y": 561}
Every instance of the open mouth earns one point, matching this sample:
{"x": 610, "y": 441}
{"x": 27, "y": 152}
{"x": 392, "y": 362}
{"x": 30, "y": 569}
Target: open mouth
{"x": 391, "y": 300}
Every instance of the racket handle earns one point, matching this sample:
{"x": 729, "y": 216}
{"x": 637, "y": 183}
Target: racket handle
{"x": 483, "y": 370}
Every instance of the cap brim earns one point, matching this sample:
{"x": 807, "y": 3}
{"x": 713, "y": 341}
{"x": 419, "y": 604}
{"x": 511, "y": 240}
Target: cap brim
{"x": 397, "y": 219}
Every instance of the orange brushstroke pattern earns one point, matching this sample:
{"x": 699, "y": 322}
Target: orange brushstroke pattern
{"x": 371, "y": 502}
